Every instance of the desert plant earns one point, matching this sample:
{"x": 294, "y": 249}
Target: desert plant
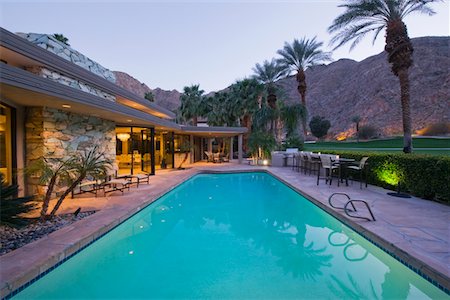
{"x": 364, "y": 16}
{"x": 60, "y": 37}
{"x": 294, "y": 141}
{"x": 356, "y": 119}
{"x": 192, "y": 105}
{"x": 367, "y": 132}
{"x": 92, "y": 163}
{"x": 11, "y": 206}
{"x": 268, "y": 73}
{"x": 434, "y": 129}
{"x": 150, "y": 96}
{"x": 260, "y": 144}
{"x": 299, "y": 56}
{"x": 50, "y": 173}
{"x": 319, "y": 126}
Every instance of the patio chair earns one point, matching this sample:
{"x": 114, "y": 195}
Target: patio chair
{"x": 140, "y": 178}
{"x": 89, "y": 185}
{"x": 209, "y": 156}
{"x": 326, "y": 162}
{"x": 226, "y": 158}
{"x": 360, "y": 168}
{"x": 313, "y": 163}
{"x": 116, "y": 184}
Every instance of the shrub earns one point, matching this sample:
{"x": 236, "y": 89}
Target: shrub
{"x": 11, "y": 206}
{"x": 436, "y": 129}
{"x": 294, "y": 141}
{"x": 424, "y": 176}
{"x": 260, "y": 144}
{"x": 319, "y": 126}
{"x": 367, "y": 132}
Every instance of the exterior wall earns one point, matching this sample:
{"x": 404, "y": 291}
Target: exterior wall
{"x": 51, "y": 44}
{"x": 56, "y": 134}
{"x": 77, "y": 84}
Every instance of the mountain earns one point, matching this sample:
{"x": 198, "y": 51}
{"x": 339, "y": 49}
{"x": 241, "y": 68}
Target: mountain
{"x": 166, "y": 99}
{"x": 369, "y": 89}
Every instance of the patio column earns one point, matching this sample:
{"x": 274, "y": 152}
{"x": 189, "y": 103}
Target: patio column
{"x": 240, "y": 148}
{"x": 191, "y": 142}
{"x": 231, "y": 147}
{"x": 210, "y": 145}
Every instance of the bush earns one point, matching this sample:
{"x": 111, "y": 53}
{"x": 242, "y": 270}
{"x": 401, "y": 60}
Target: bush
{"x": 260, "y": 144}
{"x": 436, "y": 129}
{"x": 319, "y": 126}
{"x": 294, "y": 141}
{"x": 421, "y": 175}
{"x": 367, "y": 132}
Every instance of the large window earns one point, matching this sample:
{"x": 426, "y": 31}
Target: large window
{"x": 6, "y": 143}
{"x": 134, "y": 152}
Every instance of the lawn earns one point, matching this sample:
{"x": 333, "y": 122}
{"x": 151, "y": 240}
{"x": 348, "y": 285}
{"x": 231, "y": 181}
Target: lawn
{"x": 433, "y": 146}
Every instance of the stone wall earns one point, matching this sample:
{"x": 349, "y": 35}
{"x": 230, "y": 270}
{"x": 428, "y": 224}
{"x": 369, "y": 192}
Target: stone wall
{"x": 56, "y": 134}
{"x": 76, "y": 84}
{"x": 51, "y": 44}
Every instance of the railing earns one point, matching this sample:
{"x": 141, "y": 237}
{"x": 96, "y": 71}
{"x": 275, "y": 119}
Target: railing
{"x": 347, "y": 210}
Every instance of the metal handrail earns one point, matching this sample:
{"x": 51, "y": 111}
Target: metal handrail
{"x": 337, "y": 207}
{"x": 350, "y": 202}
{"x": 346, "y": 210}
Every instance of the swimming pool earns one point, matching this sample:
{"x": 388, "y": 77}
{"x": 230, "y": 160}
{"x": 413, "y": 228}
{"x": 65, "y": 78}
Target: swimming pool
{"x": 243, "y": 235}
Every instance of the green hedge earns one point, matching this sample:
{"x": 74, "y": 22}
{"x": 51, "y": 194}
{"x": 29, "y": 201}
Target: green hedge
{"x": 424, "y": 176}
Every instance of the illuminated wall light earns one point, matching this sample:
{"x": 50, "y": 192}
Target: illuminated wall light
{"x": 265, "y": 162}
{"x": 129, "y": 121}
{"x": 66, "y": 106}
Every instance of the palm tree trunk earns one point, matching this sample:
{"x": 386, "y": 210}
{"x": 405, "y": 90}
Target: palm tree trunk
{"x": 301, "y": 80}
{"x": 48, "y": 195}
{"x": 406, "y": 112}
{"x": 66, "y": 192}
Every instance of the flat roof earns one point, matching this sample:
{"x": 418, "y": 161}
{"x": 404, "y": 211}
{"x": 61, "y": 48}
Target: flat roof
{"x": 23, "y": 47}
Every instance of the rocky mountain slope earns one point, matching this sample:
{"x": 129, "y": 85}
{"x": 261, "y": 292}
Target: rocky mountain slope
{"x": 166, "y": 99}
{"x": 368, "y": 88}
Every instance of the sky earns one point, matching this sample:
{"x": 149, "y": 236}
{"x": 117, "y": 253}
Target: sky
{"x": 172, "y": 44}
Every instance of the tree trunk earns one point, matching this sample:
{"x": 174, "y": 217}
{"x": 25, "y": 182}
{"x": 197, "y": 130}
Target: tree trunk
{"x": 399, "y": 49}
{"x": 66, "y": 192}
{"x": 184, "y": 160}
{"x": 406, "y": 112}
{"x": 301, "y": 80}
{"x": 246, "y": 122}
{"x": 48, "y": 195}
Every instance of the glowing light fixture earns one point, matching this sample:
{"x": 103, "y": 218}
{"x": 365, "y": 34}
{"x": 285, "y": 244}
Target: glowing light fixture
{"x": 66, "y": 106}
{"x": 265, "y": 162}
{"x": 123, "y": 136}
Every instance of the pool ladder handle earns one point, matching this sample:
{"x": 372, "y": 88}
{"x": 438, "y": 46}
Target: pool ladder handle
{"x": 350, "y": 202}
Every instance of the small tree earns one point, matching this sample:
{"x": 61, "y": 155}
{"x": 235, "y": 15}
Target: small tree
{"x": 60, "y": 37}
{"x": 294, "y": 141}
{"x": 367, "y": 132}
{"x": 91, "y": 163}
{"x": 150, "y": 96}
{"x": 261, "y": 144}
{"x": 185, "y": 148}
{"x": 319, "y": 126}
{"x": 356, "y": 119}
{"x": 11, "y": 206}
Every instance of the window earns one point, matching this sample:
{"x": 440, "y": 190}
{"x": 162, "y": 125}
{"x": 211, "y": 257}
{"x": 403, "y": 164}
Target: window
{"x": 6, "y": 148}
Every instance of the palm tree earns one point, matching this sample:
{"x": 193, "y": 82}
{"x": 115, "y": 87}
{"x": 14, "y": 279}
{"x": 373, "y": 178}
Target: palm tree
{"x": 90, "y": 163}
{"x": 364, "y": 16}
{"x": 191, "y": 106}
{"x": 356, "y": 119}
{"x": 268, "y": 73}
{"x": 60, "y": 37}
{"x": 299, "y": 56}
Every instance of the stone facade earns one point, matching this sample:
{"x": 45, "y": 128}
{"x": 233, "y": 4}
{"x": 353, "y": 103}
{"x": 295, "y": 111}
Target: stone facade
{"x": 77, "y": 84}
{"x": 51, "y": 44}
{"x": 56, "y": 134}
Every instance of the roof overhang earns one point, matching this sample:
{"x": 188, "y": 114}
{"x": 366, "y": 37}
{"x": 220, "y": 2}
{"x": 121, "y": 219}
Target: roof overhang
{"x": 17, "y": 49}
{"x": 213, "y": 131}
{"x": 28, "y": 89}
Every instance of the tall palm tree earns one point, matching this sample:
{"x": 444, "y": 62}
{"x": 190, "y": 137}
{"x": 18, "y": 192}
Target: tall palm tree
{"x": 191, "y": 106}
{"x": 268, "y": 73}
{"x": 299, "y": 56}
{"x": 364, "y": 16}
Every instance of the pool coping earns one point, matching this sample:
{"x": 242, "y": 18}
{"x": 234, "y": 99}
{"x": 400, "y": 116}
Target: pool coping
{"x": 16, "y": 284}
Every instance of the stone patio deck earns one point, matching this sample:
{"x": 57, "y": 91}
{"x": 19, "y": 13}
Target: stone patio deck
{"x": 415, "y": 230}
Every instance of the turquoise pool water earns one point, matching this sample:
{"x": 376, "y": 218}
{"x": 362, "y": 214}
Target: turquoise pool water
{"x": 232, "y": 236}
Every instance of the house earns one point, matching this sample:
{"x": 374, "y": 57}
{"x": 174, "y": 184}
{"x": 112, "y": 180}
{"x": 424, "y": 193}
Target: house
{"x": 55, "y": 101}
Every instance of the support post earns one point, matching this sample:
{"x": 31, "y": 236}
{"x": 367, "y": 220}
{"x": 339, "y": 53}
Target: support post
{"x": 231, "y": 147}
{"x": 240, "y": 148}
{"x": 191, "y": 142}
{"x": 210, "y": 145}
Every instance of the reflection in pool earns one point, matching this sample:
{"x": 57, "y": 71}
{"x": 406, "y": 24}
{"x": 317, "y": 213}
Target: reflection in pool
{"x": 232, "y": 236}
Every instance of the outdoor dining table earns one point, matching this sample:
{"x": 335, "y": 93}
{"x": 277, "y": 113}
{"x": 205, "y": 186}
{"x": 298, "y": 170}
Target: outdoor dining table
{"x": 342, "y": 163}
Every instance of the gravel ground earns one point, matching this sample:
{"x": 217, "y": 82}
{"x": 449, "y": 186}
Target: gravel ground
{"x": 13, "y": 238}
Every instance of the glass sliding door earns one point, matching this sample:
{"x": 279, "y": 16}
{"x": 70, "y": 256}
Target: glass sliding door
{"x": 164, "y": 149}
{"x": 146, "y": 159}
{"x": 7, "y": 152}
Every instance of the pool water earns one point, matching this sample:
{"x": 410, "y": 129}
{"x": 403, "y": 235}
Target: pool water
{"x": 237, "y": 236}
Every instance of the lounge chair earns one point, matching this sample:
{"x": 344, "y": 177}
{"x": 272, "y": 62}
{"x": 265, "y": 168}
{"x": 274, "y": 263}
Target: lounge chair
{"x": 90, "y": 185}
{"x": 140, "y": 178}
{"x": 116, "y": 184}
{"x": 209, "y": 156}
